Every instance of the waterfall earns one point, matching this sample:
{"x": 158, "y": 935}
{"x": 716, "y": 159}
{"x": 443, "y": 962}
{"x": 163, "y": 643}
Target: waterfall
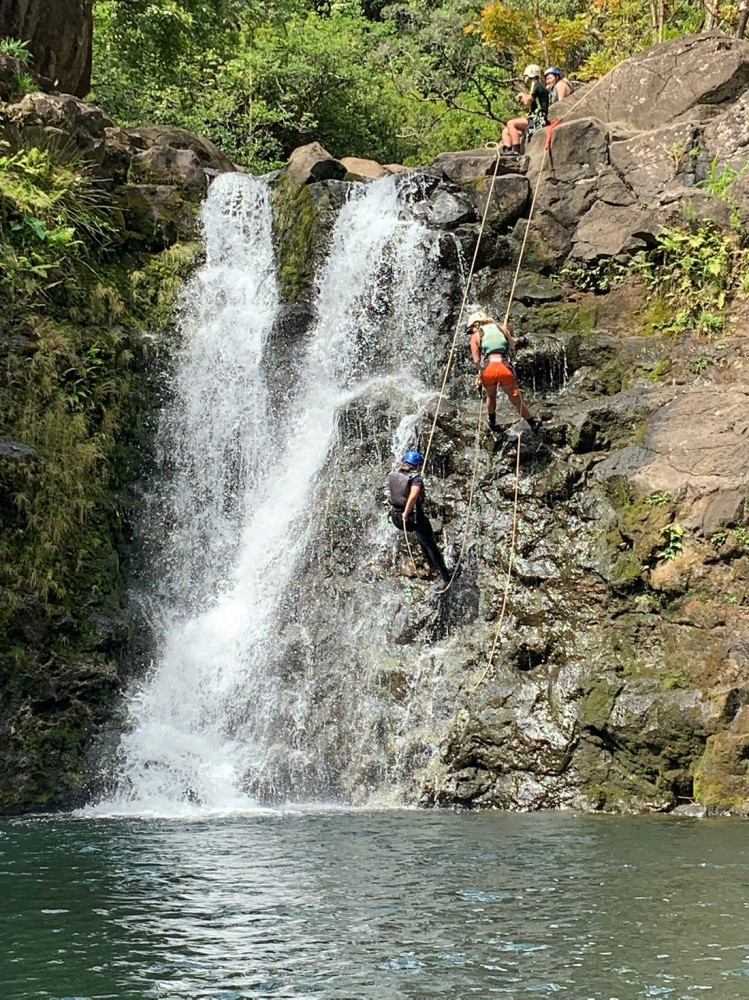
{"x": 244, "y": 491}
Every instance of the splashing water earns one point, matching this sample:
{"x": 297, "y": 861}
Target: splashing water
{"x": 242, "y": 497}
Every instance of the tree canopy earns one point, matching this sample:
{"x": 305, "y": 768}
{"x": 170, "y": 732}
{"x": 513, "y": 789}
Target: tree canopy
{"x": 398, "y": 80}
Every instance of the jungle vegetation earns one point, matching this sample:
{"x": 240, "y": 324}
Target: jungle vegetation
{"x": 397, "y": 80}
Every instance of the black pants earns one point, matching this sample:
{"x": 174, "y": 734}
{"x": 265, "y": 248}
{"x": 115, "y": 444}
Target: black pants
{"x": 419, "y": 522}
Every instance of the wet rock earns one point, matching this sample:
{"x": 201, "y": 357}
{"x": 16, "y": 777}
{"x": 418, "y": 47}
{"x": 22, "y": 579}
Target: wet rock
{"x": 448, "y": 209}
{"x": 532, "y": 289}
{"x": 303, "y": 219}
{"x": 157, "y": 214}
{"x": 721, "y": 782}
{"x": 59, "y": 33}
{"x": 311, "y": 163}
{"x": 507, "y": 199}
{"x": 690, "y": 810}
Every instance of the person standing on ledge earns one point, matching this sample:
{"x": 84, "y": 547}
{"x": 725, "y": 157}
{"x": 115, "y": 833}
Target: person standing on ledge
{"x": 406, "y": 489}
{"x": 490, "y": 344}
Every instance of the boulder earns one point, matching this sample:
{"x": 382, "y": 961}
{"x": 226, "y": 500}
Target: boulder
{"x": 148, "y": 137}
{"x": 507, "y": 198}
{"x": 726, "y": 137}
{"x": 62, "y": 121}
{"x": 165, "y": 165}
{"x": 650, "y": 161}
{"x": 689, "y": 78}
{"x": 312, "y": 163}
{"x": 609, "y": 231}
{"x": 62, "y": 111}
{"x": 10, "y": 71}
{"x": 365, "y": 168}
{"x": 447, "y": 209}
{"x": 60, "y": 36}
{"x": 695, "y": 445}
{"x": 468, "y": 165}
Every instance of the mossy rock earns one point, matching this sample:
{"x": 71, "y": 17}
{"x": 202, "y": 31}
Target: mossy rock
{"x": 721, "y": 776}
{"x": 302, "y": 224}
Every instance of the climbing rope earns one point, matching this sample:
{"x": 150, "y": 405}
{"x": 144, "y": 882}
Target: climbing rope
{"x": 510, "y": 563}
{"x": 469, "y": 279}
{"x": 477, "y": 451}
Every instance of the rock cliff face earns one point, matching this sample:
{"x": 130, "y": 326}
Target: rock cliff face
{"x": 77, "y": 384}
{"x": 59, "y": 33}
{"x": 622, "y": 678}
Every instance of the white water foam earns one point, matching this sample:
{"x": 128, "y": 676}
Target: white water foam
{"x": 241, "y": 487}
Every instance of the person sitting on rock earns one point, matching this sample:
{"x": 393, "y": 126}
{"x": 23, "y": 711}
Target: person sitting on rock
{"x": 536, "y": 100}
{"x": 406, "y": 489}
{"x": 558, "y": 86}
{"x": 490, "y": 344}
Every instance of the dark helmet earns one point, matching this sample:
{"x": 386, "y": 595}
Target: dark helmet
{"x": 555, "y": 71}
{"x": 413, "y": 457}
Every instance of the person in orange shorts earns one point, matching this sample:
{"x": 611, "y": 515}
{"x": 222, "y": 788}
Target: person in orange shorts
{"x": 490, "y": 345}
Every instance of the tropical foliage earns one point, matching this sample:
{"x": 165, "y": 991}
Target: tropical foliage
{"x": 396, "y": 80}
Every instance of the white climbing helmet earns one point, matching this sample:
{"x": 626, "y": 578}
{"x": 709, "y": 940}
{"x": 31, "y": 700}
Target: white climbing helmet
{"x": 532, "y": 71}
{"x": 478, "y": 317}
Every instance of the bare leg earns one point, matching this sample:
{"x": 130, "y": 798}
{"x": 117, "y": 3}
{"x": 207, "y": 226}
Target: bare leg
{"x": 515, "y": 129}
{"x": 513, "y": 394}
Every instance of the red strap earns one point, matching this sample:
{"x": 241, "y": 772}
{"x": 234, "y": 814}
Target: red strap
{"x": 550, "y": 131}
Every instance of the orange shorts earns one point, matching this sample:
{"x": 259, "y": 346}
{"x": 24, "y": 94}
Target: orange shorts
{"x": 495, "y": 373}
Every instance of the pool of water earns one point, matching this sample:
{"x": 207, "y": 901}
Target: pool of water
{"x": 374, "y": 905}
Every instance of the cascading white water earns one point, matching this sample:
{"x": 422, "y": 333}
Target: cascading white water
{"x": 242, "y": 483}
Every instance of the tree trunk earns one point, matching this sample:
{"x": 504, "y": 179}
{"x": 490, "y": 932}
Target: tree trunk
{"x": 59, "y": 34}
{"x": 660, "y": 20}
{"x": 654, "y": 18}
{"x": 539, "y": 33}
{"x": 742, "y": 18}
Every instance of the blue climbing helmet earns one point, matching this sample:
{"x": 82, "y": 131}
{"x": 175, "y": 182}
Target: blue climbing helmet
{"x": 555, "y": 70}
{"x": 413, "y": 457}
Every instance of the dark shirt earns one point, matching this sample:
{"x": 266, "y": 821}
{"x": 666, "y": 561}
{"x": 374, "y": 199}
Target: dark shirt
{"x": 399, "y": 485}
{"x": 540, "y": 102}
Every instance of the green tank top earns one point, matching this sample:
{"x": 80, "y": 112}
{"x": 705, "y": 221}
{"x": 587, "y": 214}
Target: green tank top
{"x": 492, "y": 339}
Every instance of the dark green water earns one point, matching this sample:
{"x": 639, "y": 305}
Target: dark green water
{"x": 375, "y": 905}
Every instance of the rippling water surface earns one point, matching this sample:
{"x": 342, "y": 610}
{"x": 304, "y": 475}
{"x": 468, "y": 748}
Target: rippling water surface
{"x": 374, "y": 905}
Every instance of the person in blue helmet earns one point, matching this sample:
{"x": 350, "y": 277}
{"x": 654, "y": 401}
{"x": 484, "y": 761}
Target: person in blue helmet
{"x": 406, "y": 489}
{"x": 558, "y": 86}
